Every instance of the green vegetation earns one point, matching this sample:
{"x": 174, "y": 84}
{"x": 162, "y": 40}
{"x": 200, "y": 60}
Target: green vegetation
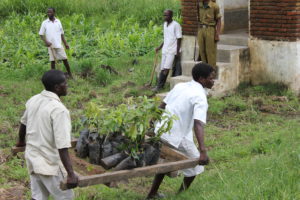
{"x": 130, "y": 119}
{"x": 252, "y": 135}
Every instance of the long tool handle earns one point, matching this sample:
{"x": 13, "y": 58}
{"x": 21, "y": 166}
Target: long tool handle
{"x": 16, "y": 150}
{"x": 153, "y": 70}
{"x": 108, "y": 177}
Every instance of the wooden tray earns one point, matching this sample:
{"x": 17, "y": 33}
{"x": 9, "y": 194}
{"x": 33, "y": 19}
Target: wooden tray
{"x": 90, "y": 174}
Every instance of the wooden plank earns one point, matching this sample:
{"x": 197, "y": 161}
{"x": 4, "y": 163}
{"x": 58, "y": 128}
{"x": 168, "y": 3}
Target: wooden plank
{"x": 137, "y": 172}
{"x": 16, "y": 150}
{"x": 171, "y": 154}
{"x": 166, "y": 151}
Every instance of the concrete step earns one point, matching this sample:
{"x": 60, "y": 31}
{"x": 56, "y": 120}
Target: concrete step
{"x": 239, "y": 38}
{"x": 229, "y": 53}
{"x": 226, "y": 53}
{"x": 227, "y": 79}
{"x": 187, "y": 67}
{"x": 179, "y": 79}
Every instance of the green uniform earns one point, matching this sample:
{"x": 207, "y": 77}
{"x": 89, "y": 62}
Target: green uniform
{"x": 208, "y": 17}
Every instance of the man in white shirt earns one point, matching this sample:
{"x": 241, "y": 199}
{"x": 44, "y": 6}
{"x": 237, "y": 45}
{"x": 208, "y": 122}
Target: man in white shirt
{"x": 188, "y": 102}
{"x": 170, "y": 47}
{"x": 52, "y": 33}
{"x": 46, "y": 124}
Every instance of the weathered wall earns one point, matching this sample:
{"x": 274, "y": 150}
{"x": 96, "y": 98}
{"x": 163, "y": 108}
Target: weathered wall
{"x": 235, "y": 4}
{"x": 275, "y": 61}
{"x": 275, "y": 20}
{"x": 275, "y": 42}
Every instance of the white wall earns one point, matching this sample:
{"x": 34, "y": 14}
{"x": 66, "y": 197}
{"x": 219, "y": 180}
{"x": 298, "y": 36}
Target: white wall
{"x": 275, "y": 61}
{"x": 235, "y": 4}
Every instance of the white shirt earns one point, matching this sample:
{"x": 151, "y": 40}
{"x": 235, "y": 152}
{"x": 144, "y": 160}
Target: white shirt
{"x": 52, "y": 31}
{"x": 48, "y": 128}
{"x": 172, "y": 32}
{"x": 188, "y": 102}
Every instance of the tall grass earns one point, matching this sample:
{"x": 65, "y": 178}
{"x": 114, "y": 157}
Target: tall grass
{"x": 21, "y": 46}
{"x": 94, "y": 29}
{"x": 144, "y": 10}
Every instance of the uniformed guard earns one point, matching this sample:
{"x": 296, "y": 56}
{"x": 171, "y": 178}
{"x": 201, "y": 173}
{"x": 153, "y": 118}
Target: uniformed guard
{"x": 209, "y": 30}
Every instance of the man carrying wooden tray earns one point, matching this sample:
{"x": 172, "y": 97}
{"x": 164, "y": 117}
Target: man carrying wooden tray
{"x": 188, "y": 102}
{"x": 46, "y": 124}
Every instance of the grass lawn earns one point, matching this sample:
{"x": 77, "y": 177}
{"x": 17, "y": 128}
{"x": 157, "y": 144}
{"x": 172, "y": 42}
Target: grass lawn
{"x": 252, "y": 135}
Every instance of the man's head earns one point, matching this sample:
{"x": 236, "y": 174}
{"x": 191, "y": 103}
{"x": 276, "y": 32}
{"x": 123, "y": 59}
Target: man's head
{"x": 51, "y": 13}
{"x": 55, "y": 81}
{"x": 168, "y": 14}
{"x": 204, "y": 74}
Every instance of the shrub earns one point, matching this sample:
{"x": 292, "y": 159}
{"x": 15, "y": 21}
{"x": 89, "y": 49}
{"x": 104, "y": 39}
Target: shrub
{"x": 102, "y": 76}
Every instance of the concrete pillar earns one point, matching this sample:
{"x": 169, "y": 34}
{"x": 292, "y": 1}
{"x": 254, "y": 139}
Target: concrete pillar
{"x": 275, "y": 42}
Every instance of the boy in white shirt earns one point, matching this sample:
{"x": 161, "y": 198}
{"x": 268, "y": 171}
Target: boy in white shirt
{"x": 188, "y": 102}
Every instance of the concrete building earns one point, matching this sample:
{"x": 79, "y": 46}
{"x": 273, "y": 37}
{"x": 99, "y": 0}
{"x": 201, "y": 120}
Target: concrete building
{"x": 259, "y": 44}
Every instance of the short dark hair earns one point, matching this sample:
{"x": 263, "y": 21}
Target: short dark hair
{"x": 51, "y": 9}
{"x": 170, "y": 11}
{"x": 53, "y": 77}
{"x": 201, "y": 70}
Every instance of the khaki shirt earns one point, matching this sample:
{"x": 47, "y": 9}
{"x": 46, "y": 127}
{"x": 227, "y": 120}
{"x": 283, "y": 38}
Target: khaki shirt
{"x": 48, "y": 128}
{"x": 210, "y": 15}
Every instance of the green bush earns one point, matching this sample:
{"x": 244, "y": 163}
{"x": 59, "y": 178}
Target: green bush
{"x": 102, "y": 76}
{"x": 35, "y": 70}
{"x": 143, "y": 10}
{"x": 216, "y": 106}
{"x": 84, "y": 67}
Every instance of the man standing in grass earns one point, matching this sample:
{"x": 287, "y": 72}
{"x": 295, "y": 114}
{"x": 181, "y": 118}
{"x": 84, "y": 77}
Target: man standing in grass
{"x": 188, "y": 102}
{"x": 46, "y": 125}
{"x": 170, "y": 47}
{"x": 52, "y": 34}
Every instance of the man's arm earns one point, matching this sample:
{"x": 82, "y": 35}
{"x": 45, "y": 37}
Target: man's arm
{"x": 64, "y": 41}
{"x": 199, "y": 132}
{"x": 61, "y": 126}
{"x": 47, "y": 43}
{"x": 159, "y": 48}
{"x": 218, "y": 29}
{"x": 72, "y": 179}
{"x": 178, "y": 46}
{"x": 162, "y": 105}
{"x": 22, "y": 133}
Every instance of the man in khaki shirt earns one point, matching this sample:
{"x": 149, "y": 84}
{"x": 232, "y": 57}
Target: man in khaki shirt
{"x": 46, "y": 124}
{"x": 209, "y": 31}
